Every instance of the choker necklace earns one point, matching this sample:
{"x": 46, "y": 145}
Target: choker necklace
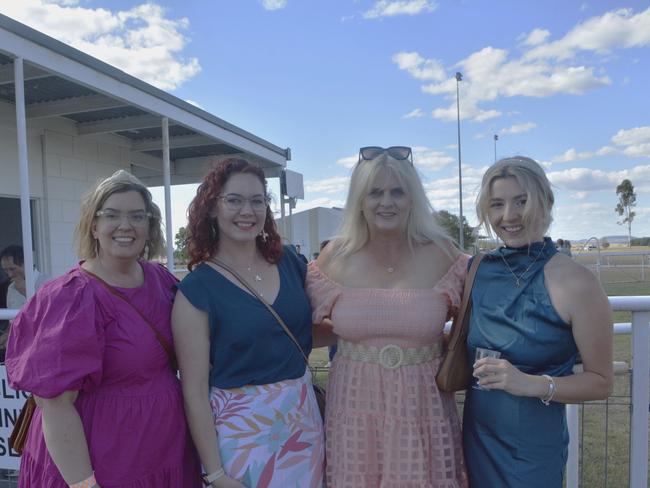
{"x": 521, "y": 276}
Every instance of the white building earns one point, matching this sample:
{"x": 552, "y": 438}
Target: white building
{"x": 68, "y": 119}
{"x": 311, "y": 227}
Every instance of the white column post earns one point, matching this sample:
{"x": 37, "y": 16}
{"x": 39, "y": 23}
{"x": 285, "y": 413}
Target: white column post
{"x": 25, "y": 211}
{"x": 640, "y": 399}
{"x": 573, "y": 462}
{"x": 167, "y": 179}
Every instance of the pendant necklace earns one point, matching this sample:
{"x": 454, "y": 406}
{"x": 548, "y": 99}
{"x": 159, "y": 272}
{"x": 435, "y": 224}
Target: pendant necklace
{"x": 521, "y": 276}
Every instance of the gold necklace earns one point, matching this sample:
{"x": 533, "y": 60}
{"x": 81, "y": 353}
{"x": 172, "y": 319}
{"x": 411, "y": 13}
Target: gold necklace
{"x": 521, "y": 276}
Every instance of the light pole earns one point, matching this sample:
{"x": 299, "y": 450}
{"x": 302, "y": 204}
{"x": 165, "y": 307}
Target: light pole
{"x": 496, "y": 138}
{"x": 461, "y": 241}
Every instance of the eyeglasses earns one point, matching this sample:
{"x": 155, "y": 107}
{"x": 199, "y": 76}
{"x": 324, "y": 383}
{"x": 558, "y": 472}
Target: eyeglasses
{"x": 235, "y": 202}
{"x": 400, "y": 153}
{"x": 136, "y": 219}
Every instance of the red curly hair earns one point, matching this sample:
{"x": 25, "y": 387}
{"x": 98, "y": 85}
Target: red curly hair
{"x": 202, "y": 229}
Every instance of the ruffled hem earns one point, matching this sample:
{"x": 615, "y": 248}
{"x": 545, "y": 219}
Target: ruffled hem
{"x": 34, "y": 475}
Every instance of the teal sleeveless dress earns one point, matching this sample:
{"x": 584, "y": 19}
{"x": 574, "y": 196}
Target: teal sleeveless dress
{"x": 512, "y": 441}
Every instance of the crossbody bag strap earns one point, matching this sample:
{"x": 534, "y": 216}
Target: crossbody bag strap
{"x": 159, "y": 337}
{"x": 462, "y": 318}
{"x": 270, "y": 308}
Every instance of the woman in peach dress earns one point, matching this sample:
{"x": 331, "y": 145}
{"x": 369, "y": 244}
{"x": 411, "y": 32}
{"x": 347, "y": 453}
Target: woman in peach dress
{"x": 383, "y": 290}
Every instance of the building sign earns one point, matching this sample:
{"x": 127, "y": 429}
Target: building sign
{"x": 11, "y": 402}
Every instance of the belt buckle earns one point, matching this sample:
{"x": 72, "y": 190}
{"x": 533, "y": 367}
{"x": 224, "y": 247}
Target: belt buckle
{"x": 391, "y": 356}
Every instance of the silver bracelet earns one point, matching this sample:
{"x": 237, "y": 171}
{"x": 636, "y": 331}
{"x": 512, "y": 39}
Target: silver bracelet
{"x": 546, "y": 399}
{"x": 208, "y": 479}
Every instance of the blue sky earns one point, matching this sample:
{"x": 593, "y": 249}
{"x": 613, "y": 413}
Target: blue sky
{"x": 565, "y": 82}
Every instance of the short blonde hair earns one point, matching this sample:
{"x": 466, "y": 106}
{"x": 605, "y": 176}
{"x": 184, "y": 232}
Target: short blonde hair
{"x": 121, "y": 181}
{"x": 532, "y": 178}
{"x": 422, "y": 227}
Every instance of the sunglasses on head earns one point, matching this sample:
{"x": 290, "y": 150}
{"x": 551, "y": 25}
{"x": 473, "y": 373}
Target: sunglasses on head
{"x": 397, "y": 152}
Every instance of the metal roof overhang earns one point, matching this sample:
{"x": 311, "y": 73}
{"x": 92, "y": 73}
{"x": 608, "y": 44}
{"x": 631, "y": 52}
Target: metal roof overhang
{"x": 61, "y": 81}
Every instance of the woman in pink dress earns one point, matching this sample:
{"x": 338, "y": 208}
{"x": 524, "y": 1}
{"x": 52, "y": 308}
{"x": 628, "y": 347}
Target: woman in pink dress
{"x": 385, "y": 288}
{"x": 91, "y": 347}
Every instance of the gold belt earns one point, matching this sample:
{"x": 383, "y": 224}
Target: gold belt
{"x": 390, "y": 356}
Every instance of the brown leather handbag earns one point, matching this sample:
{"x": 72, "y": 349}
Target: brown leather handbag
{"x": 21, "y": 427}
{"x": 455, "y": 371}
{"x": 318, "y": 391}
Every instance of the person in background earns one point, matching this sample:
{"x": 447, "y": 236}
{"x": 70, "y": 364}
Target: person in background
{"x": 93, "y": 347}
{"x": 12, "y": 260}
{"x": 385, "y": 288}
{"x": 300, "y": 255}
{"x": 248, "y": 394}
{"x": 539, "y": 310}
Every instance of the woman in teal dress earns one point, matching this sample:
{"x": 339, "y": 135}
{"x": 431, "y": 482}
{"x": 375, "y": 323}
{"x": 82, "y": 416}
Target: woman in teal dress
{"x": 540, "y": 310}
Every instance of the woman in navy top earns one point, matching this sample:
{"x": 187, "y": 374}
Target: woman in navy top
{"x": 248, "y": 397}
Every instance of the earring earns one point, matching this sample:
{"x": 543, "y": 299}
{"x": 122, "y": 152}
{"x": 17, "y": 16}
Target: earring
{"x": 263, "y": 235}
{"x": 145, "y": 251}
{"x": 215, "y": 230}
{"x": 96, "y": 247}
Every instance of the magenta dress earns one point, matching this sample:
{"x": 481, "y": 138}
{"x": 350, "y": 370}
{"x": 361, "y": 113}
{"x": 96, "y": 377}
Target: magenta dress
{"x": 389, "y": 428}
{"x": 74, "y": 335}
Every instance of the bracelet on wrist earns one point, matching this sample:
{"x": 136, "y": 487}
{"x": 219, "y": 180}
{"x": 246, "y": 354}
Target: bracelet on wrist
{"x": 208, "y": 479}
{"x": 546, "y": 399}
{"x": 89, "y": 482}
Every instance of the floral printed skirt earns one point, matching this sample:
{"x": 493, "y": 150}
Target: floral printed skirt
{"x": 270, "y": 436}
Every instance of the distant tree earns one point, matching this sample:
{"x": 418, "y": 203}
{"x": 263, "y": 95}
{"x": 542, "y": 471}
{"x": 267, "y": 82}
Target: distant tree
{"x": 641, "y": 241}
{"x": 180, "y": 245}
{"x": 625, "y": 205}
{"x": 604, "y": 243}
{"x": 451, "y": 223}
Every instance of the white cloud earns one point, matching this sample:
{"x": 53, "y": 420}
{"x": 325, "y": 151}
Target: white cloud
{"x": 335, "y": 184}
{"x": 141, "y": 41}
{"x": 348, "y": 161}
{"x": 430, "y": 159}
{"x": 635, "y": 142}
{"x": 419, "y": 67}
{"x": 618, "y": 29}
{"x": 274, "y": 4}
{"x": 536, "y": 37}
{"x": 588, "y": 180}
{"x": 543, "y": 70}
{"x": 389, "y": 8}
{"x": 414, "y": 114}
{"x": 518, "y": 128}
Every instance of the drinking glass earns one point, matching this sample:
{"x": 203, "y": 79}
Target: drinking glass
{"x": 482, "y": 352}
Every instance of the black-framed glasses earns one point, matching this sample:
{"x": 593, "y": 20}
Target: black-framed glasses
{"x": 235, "y": 202}
{"x": 400, "y": 153}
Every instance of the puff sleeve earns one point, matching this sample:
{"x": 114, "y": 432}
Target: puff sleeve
{"x": 451, "y": 285}
{"x": 56, "y": 342}
{"x": 322, "y": 293}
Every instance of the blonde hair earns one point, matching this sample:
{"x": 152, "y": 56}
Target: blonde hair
{"x": 121, "y": 181}
{"x": 421, "y": 228}
{"x": 532, "y": 179}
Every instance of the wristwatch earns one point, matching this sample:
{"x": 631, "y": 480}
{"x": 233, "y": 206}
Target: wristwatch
{"x": 208, "y": 479}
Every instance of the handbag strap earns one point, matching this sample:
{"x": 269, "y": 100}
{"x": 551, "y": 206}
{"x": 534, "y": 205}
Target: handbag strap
{"x": 159, "y": 337}
{"x": 270, "y": 308}
{"x": 460, "y": 323}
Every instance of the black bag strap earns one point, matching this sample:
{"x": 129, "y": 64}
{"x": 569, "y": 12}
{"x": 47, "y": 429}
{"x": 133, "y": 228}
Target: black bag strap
{"x": 270, "y": 308}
